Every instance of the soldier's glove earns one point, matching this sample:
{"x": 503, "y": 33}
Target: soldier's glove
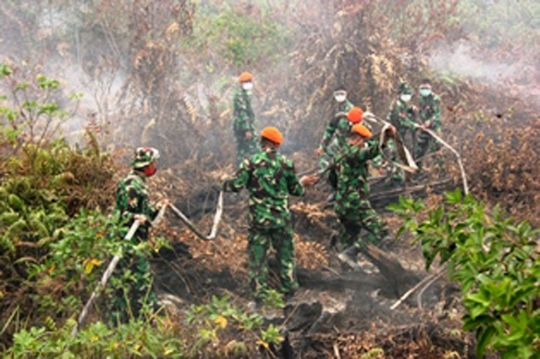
{"x": 141, "y": 218}
{"x": 164, "y": 202}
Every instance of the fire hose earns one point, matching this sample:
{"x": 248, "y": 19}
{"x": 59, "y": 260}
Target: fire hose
{"x": 132, "y": 230}
{"x": 458, "y": 156}
{"x": 408, "y": 164}
{"x": 191, "y": 226}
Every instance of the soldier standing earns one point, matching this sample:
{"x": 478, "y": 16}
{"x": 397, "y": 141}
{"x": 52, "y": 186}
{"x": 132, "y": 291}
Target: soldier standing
{"x": 244, "y": 119}
{"x": 352, "y": 205}
{"x": 402, "y": 115}
{"x": 134, "y": 292}
{"x": 338, "y": 126}
{"x": 430, "y": 118}
{"x": 269, "y": 178}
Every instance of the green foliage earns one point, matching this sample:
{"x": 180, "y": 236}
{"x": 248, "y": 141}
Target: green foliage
{"x": 135, "y": 339}
{"x": 48, "y": 248}
{"x": 271, "y": 335}
{"x": 496, "y": 262}
{"x": 240, "y": 38}
{"x": 214, "y": 318}
{"x": 31, "y": 111}
{"x": 220, "y": 312}
{"x": 273, "y": 299}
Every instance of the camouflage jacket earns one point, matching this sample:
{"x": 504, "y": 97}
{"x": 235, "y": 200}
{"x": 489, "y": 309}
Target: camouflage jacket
{"x": 132, "y": 198}
{"x": 352, "y": 170}
{"x": 430, "y": 110}
{"x": 244, "y": 118}
{"x": 339, "y": 126}
{"x": 401, "y": 115}
{"x": 269, "y": 178}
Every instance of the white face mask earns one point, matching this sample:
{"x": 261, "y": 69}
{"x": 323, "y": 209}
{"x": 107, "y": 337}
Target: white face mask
{"x": 425, "y": 91}
{"x": 406, "y": 97}
{"x": 247, "y": 86}
{"x": 340, "y": 97}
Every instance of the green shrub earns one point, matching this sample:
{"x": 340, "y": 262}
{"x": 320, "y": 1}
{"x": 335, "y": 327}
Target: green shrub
{"x": 495, "y": 261}
{"x": 135, "y": 339}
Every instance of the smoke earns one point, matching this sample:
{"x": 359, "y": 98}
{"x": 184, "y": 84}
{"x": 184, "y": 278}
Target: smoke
{"x": 459, "y": 60}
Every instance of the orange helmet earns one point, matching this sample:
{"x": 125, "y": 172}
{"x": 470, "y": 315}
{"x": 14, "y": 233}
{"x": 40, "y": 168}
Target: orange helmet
{"x": 355, "y": 115}
{"x": 245, "y": 77}
{"x": 361, "y": 130}
{"x": 272, "y": 134}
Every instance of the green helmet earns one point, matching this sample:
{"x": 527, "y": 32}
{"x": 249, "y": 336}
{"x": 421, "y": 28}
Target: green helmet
{"x": 404, "y": 88}
{"x": 144, "y": 156}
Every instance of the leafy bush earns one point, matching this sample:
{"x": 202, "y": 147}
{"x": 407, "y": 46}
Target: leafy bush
{"x": 495, "y": 261}
{"x": 219, "y": 319}
{"x": 135, "y": 339}
{"x": 44, "y": 251}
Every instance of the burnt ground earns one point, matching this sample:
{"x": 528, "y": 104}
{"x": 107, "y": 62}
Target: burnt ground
{"x": 338, "y": 312}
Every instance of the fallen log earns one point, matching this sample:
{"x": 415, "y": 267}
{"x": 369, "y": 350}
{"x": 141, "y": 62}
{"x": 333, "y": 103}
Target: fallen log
{"x": 406, "y": 190}
{"x": 389, "y": 267}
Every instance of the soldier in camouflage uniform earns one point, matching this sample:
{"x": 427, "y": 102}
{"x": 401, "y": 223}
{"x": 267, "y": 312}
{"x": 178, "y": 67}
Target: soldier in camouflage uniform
{"x": 244, "y": 119}
{"x": 430, "y": 118}
{"x": 269, "y": 178}
{"x": 336, "y": 130}
{"x": 346, "y": 121}
{"x": 402, "y": 115}
{"x": 133, "y": 285}
{"x": 352, "y": 205}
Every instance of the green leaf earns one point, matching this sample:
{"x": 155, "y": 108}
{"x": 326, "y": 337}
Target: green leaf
{"x": 453, "y": 197}
{"x": 470, "y": 324}
{"x": 485, "y": 336}
{"x": 5, "y": 70}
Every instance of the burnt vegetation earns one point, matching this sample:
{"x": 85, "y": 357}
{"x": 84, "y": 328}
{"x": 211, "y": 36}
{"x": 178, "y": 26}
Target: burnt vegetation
{"x": 161, "y": 74}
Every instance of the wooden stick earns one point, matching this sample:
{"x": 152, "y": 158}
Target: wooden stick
{"x": 191, "y": 226}
{"x": 419, "y": 298}
{"x": 418, "y": 285}
{"x": 381, "y": 195}
{"x": 217, "y": 217}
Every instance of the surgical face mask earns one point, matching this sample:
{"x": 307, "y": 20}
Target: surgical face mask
{"x": 405, "y": 97}
{"x": 149, "y": 171}
{"x": 247, "y": 86}
{"x": 425, "y": 91}
{"x": 340, "y": 97}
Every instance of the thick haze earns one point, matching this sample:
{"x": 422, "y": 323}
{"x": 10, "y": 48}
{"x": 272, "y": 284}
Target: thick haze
{"x": 76, "y": 45}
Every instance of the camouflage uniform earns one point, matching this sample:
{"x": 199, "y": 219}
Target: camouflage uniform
{"x": 244, "y": 120}
{"x": 270, "y": 178}
{"x": 402, "y": 116}
{"x": 429, "y": 110}
{"x": 335, "y": 134}
{"x": 352, "y": 205}
{"x": 134, "y": 277}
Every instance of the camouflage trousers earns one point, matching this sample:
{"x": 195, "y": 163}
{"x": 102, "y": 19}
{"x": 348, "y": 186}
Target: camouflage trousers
{"x": 245, "y": 149}
{"x": 259, "y": 242}
{"x": 409, "y": 138}
{"x": 362, "y": 217}
{"x": 132, "y": 289}
{"x": 326, "y": 160}
{"x": 426, "y": 144}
